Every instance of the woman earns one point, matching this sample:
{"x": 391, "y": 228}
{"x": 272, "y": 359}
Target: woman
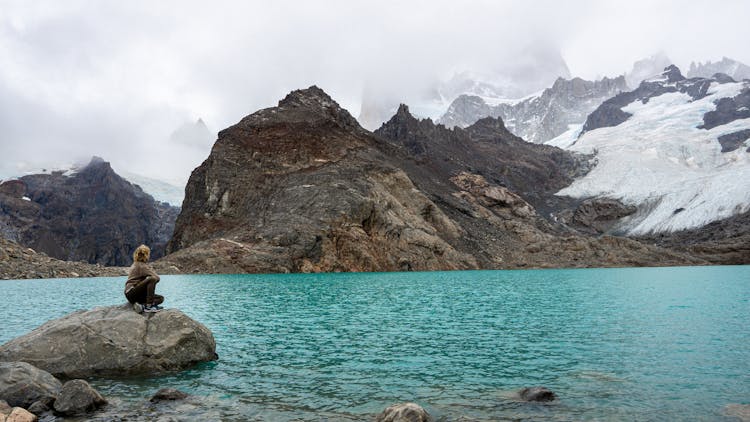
{"x": 141, "y": 284}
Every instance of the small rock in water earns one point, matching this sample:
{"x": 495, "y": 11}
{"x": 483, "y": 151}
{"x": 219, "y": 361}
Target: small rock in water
{"x": 404, "y": 412}
{"x": 77, "y": 397}
{"x": 537, "y": 394}
{"x": 168, "y": 394}
{"x": 41, "y": 406}
{"x": 740, "y": 411}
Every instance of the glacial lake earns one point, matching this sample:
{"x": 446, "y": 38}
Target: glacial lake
{"x": 614, "y": 344}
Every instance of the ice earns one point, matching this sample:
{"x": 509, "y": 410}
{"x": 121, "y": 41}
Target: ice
{"x": 567, "y": 138}
{"x": 659, "y": 160}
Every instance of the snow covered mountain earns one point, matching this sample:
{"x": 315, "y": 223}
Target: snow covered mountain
{"x": 675, "y": 148}
{"x": 646, "y": 68}
{"x": 538, "y": 118}
{"x": 727, "y": 66}
{"x": 534, "y": 68}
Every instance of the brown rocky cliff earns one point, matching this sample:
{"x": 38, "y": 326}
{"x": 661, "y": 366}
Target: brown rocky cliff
{"x": 301, "y": 187}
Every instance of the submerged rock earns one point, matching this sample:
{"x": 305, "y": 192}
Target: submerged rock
{"x": 537, "y": 394}
{"x": 166, "y": 394}
{"x": 114, "y": 341}
{"x": 404, "y": 412}
{"x": 740, "y": 411}
{"x": 22, "y": 384}
{"x": 78, "y": 397}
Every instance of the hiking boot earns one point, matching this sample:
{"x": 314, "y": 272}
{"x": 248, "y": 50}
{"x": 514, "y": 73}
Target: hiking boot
{"x": 157, "y": 307}
{"x": 138, "y": 308}
{"x": 150, "y": 309}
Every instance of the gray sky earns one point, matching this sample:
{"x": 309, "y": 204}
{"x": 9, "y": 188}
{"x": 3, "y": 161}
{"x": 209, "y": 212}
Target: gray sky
{"x": 115, "y": 78}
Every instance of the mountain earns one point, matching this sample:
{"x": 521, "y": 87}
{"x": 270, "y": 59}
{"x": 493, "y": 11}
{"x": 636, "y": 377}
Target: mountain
{"x": 90, "y": 215}
{"x": 646, "y": 68}
{"x": 734, "y": 69}
{"x": 302, "y": 187}
{"x": 193, "y": 135}
{"x": 675, "y": 148}
{"x": 542, "y": 117}
{"x": 534, "y": 67}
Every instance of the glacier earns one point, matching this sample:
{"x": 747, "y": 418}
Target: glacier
{"x": 660, "y": 161}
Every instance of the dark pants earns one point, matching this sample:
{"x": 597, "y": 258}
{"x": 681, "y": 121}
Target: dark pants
{"x": 143, "y": 293}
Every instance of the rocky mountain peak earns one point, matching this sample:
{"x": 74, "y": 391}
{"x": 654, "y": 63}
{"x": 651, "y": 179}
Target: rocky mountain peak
{"x": 673, "y": 74}
{"x": 312, "y": 97}
{"x": 303, "y": 106}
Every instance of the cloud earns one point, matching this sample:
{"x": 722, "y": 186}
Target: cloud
{"x": 115, "y": 79}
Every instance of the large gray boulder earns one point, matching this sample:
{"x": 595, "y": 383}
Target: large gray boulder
{"x": 22, "y": 384}
{"x": 114, "y": 341}
{"x": 78, "y": 397}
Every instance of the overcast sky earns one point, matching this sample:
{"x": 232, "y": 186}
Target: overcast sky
{"x": 116, "y": 78}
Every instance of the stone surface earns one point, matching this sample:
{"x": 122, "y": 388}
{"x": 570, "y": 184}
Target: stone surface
{"x": 78, "y": 397}
{"x": 93, "y": 215}
{"x": 404, "y": 412}
{"x": 114, "y": 341}
{"x": 22, "y": 384}
{"x": 18, "y": 262}
{"x": 41, "y": 406}
{"x": 596, "y": 215}
{"x": 166, "y": 394}
{"x": 19, "y": 414}
{"x": 739, "y": 411}
{"x": 539, "y": 394}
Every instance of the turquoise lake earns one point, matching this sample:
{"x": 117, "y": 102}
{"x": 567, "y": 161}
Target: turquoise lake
{"x": 614, "y": 344}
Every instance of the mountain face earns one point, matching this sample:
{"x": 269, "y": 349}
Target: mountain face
{"x": 734, "y": 69}
{"x": 647, "y": 68}
{"x": 534, "y": 67}
{"x": 539, "y": 118}
{"x": 302, "y": 187}
{"x": 92, "y": 215}
{"x": 675, "y": 148}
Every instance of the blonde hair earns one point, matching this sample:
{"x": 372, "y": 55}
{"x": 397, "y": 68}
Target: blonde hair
{"x": 141, "y": 254}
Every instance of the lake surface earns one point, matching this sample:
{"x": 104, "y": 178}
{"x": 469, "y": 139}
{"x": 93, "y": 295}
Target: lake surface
{"x": 614, "y": 344}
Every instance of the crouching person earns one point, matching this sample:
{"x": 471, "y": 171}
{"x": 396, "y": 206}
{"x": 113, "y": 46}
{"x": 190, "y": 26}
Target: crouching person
{"x": 141, "y": 285}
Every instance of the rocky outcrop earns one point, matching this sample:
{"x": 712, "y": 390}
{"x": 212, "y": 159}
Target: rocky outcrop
{"x": 732, "y": 68}
{"x": 404, "y": 412}
{"x": 543, "y": 117}
{"x": 22, "y": 384}
{"x": 596, "y": 216}
{"x": 302, "y": 188}
{"x": 92, "y": 215}
{"x": 78, "y": 397}
{"x": 18, "y": 414}
{"x": 113, "y": 341}
{"x": 723, "y": 242}
{"x": 18, "y": 262}
{"x": 536, "y": 394}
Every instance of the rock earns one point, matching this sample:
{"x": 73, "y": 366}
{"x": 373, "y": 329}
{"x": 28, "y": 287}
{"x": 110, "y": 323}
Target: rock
{"x": 168, "y": 394}
{"x": 541, "y": 394}
{"x": 21, "y": 384}
{"x": 21, "y": 415}
{"x": 5, "y": 408}
{"x": 404, "y": 412}
{"x": 114, "y": 341}
{"x": 41, "y": 406}
{"x": 739, "y": 411}
{"x": 77, "y": 397}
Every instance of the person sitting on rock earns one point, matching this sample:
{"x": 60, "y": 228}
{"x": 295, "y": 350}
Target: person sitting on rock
{"x": 141, "y": 284}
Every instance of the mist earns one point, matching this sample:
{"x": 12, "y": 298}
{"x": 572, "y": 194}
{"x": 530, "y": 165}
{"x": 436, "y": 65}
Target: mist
{"x": 117, "y": 79}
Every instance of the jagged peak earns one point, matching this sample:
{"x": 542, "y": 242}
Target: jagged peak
{"x": 672, "y": 73}
{"x": 309, "y": 97}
